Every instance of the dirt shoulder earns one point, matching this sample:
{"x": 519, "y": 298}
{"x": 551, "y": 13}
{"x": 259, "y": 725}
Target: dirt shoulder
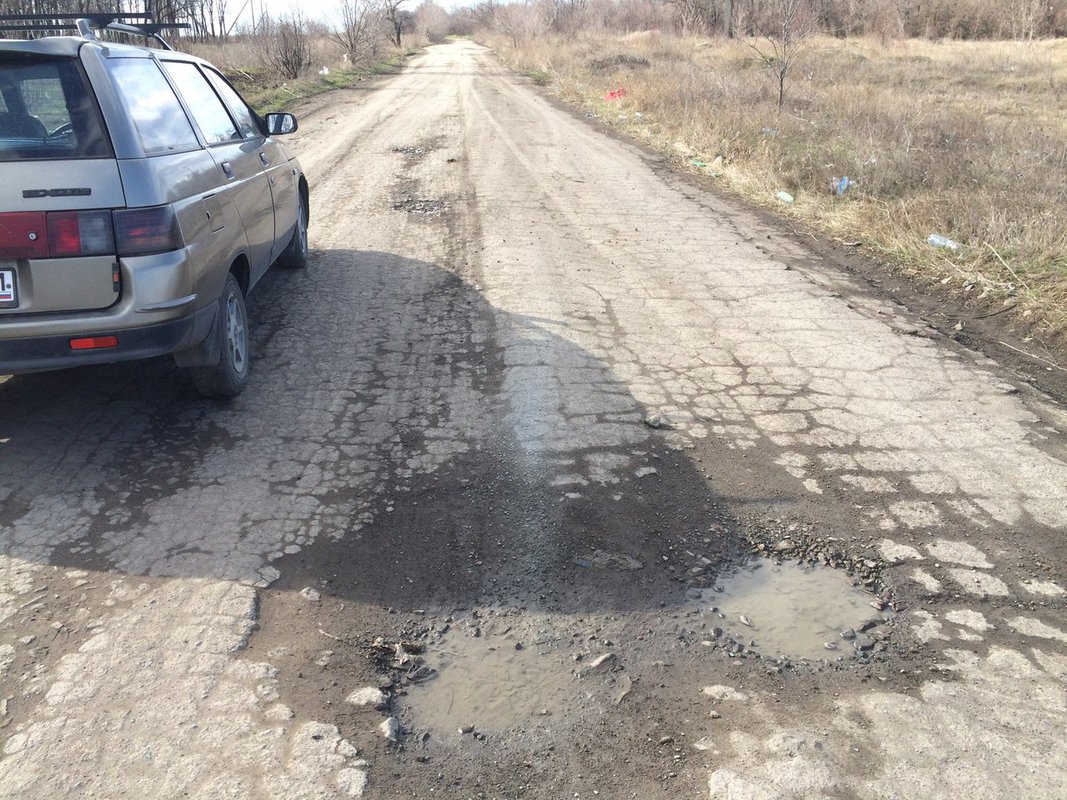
{"x": 973, "y": 297}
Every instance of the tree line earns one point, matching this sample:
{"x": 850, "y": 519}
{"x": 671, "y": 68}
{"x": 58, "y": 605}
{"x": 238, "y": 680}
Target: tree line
{"x": 934, "y": 19}
{"x": 359, "y": 26}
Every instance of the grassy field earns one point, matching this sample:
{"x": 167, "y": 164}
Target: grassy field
{"x": 966, "y": 140}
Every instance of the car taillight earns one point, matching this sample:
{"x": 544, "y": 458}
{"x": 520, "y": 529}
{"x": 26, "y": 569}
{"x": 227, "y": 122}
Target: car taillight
{"x": 140, "y": 231}
{"x": 62, "y": 234}
{"x": 79, "y": 233}
{"x": 22, "y": 235}
{"x": 55, "y": 234}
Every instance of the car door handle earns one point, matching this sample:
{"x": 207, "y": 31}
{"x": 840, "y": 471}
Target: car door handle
{"x": 264, "y": 159}
{"x": 227, "y": 169}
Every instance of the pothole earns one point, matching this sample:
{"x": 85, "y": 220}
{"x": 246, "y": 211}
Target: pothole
{"x": 414, "y": 205}
{"x": 793, "y": 611}
{"x": 490, "y": 683}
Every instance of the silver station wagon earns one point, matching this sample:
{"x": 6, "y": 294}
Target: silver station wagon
{"x": 141, "y": 199}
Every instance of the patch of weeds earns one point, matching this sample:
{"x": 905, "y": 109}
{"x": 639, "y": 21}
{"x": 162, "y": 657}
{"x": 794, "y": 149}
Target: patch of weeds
{"x": 539, "y": 76}
{"x": 265, "y": 92}
{"x": 618, "y": 61}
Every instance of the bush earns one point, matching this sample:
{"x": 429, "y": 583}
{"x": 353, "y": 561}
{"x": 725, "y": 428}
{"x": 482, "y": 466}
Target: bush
{"x": 287, "y": 45}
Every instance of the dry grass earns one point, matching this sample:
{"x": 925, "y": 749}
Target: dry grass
{"x": 242, "y": 61}
{"x": 968, "y": 140}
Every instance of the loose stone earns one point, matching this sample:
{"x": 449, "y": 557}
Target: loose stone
{"x": 390, "y": 729}
{"x": 368, "y": 696}
{"x": 601, "y": 664}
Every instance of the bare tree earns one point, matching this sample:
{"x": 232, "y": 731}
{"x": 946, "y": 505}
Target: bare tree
{"x": 523, "y": 21}
{"x": 287, "y": 44}
{"x": 220, "y": 11}
{"x": 1026, "y": 17}
{"x": 694, "y": 16}
{"x": 485, "y": 13}
{"x": 568, "y": 16}
{"x": 359, "y": 25}
{"x": 397, "y": 18}
{"x": 782, "y": 31}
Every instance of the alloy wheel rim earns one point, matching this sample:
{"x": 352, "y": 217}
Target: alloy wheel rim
{"x": 303, "y": 231}
{"x": 235, "y": 333}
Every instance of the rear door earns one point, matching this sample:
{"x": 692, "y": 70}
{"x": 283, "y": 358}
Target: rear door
{"x": 242, "y": 179}
{"x": 59, "y": 181}
{"x": 274, "y": 161}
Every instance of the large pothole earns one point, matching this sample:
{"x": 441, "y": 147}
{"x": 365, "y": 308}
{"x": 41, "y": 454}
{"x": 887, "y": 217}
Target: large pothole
{"x": 491, "y": 673}
{"x": 490, "y": 683}
{"x": 792, "y": 610}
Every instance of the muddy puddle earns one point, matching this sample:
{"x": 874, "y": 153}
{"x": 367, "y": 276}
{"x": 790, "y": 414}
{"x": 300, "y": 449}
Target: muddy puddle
{"x": 800, "y": 612}
{"x": 490, "y": 683}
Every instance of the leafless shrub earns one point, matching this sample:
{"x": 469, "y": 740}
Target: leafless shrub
{"x": 704, "y": 16}
{"x": 287, "y": 46}
{"x": 431, "y": 21}
{"x": 782, "y": 31}
{"x": 618, "y": 61}
{"x": 357, "y": 28}
{"x": 521, "y": 21}
{"x": 568, "y": 16}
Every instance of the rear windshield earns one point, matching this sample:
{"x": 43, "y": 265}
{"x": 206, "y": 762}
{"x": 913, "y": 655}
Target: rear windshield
{"x": 47, "y": 110}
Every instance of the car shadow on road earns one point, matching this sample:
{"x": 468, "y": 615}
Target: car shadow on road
{"x": 402, "y": 442}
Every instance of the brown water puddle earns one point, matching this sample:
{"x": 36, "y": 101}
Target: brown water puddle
{"x": 788, "y": 609}
{"x": 484, "y": 683}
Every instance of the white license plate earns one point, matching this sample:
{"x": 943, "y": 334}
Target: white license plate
{"x": 9, "y": 292}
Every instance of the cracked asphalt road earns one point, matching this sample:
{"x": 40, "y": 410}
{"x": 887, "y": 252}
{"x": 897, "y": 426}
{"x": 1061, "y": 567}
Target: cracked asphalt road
{"x": 521, "y": 344}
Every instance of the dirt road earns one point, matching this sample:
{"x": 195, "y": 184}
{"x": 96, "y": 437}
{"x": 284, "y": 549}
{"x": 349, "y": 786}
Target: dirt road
{"x": 532, "y": 405}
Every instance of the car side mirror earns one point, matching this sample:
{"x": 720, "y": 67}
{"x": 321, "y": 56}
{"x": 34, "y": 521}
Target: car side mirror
{"x": 279, "y": 122}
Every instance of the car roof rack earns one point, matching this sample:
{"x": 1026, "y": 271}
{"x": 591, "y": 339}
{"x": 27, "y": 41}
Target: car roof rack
{"x": 85, "y": 24}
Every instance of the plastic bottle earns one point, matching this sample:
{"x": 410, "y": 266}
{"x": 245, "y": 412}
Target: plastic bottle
{"x": 937, "y": 240}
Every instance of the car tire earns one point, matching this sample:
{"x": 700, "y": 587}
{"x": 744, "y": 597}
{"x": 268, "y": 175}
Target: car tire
{"x": 295, "y": 255}
{"x": 230, "y": 375}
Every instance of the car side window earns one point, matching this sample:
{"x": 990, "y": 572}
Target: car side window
{"x": 241, "y": 112}
{"x": 207, "y": 109}
{"x": 154, "y": 108}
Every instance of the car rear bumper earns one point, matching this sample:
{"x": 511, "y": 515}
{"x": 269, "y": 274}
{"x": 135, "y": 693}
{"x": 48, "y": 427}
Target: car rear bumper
{"x": 39, "y": 353}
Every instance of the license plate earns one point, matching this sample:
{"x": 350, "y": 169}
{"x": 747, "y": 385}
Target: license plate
{"x": 9, "y": 290}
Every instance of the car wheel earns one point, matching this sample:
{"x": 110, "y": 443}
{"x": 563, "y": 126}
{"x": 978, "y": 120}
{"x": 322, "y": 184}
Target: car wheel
{"x": 295, "y": 256}
{"x": 228, "y": 377}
